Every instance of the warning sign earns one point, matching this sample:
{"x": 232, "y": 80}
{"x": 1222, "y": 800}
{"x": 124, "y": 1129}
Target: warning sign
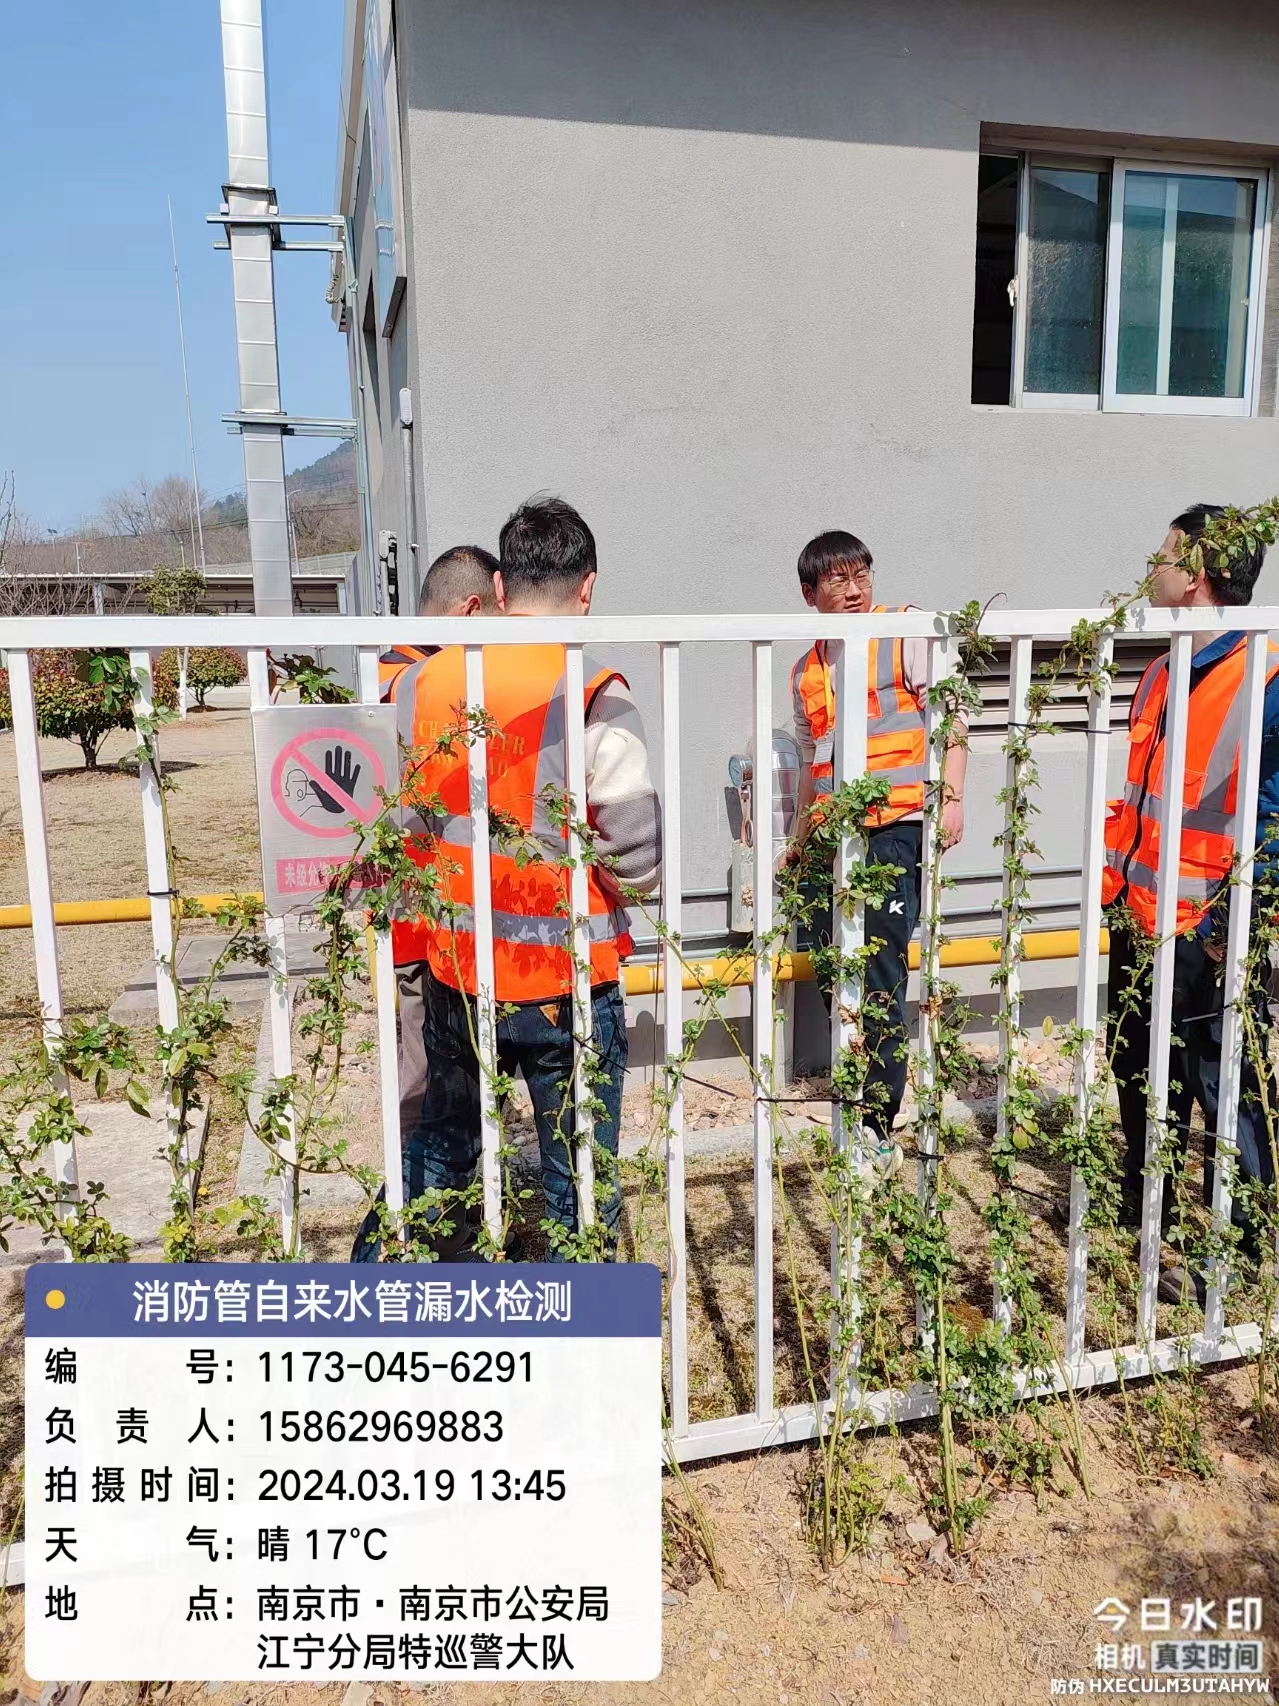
{"x": 319, "y": 771}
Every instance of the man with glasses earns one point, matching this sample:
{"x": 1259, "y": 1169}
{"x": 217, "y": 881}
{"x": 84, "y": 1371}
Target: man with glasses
{"x": 835, "y": 576}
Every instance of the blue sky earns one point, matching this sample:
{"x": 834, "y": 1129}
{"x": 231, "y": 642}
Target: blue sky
{"x": 106, "y": 109}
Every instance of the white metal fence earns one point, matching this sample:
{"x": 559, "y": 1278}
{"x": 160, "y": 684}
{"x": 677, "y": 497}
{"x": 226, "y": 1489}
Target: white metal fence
{"x": 765, "y": 1423}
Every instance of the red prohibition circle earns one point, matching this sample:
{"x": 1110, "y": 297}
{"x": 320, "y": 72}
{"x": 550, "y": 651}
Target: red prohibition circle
{"x": 291, "y": 752}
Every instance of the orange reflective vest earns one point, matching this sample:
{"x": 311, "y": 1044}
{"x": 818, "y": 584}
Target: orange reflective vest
{"x": 392, "y": 666}
{"x": 895, "y": 741}
{"x": 1211, "y": 786}
{"x": 524, "y": 696}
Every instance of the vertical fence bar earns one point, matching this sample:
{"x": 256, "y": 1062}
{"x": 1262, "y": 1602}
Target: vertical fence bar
{"x": 939, "y": 664}
{"x": 482, "y": 906}
{"x": 280, "y": 1007}
{"x": 847, "y": 1023}
{"x": 762, "y": 1024}
{"x": 673, "y": 1033}
{"x": 1176, "y": 718}
{"x": 44, "y": 936}
{"x": 580, "y": 925}
{"x": 160, "y": 890}
{"x": 1090, "y": 919}
{"x": 1236, "y": 992}
{"x": 384, "y": 990}
{"x": 1010, "y": 931}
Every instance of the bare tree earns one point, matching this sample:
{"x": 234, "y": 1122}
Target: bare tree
{"x": 129, "y": 510}
{"x": 174, "y": 503}
{"x": 26, "y": 590}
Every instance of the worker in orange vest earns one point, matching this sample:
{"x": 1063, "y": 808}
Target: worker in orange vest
{"x": 458, "y": 583}
{"x": 548, "y": 569}
{"x": 1179, "y": 581}
{"x": 836, "y": 578}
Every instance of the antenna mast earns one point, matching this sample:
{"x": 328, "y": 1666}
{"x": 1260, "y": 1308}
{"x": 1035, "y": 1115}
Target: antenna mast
{"x": 197, "y": 521}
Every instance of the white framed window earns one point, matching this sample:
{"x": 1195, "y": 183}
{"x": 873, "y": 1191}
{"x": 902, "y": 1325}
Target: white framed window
{"x": 1131, "y": 285}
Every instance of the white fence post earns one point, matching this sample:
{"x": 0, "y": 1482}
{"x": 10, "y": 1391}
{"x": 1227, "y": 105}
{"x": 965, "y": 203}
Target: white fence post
{"x": 1090, "y": 921}
{"x": 847, "y": 1017}
{"x": 673, "y": 1035}
{"x": 281, "y": 1006}
{"x": 482, "y": 906}
{"x": 1236, "y": 992}
{"x": 580, "y": 931}
{"x": 1176, "y": 720}
{"x": 1010, "y": 930}
{"x": 940, "y": 659}
{"x": 160, "y": 889}
{"x": 44, "y": 936}
{"x": 762, "y": 1025}
{"x": 384, "y": 991}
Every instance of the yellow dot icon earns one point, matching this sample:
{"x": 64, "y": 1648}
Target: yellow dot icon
{"x": 55, "y": 1299}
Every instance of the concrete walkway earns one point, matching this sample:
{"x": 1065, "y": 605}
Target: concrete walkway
{"x": 244, "y": 986}
{"x": 124, "y": 1151}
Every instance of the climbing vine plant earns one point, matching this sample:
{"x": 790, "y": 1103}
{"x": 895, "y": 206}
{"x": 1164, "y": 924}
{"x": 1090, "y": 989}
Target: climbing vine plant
{"x": 894, "y": 1318}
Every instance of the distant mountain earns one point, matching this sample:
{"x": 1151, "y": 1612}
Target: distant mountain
{"x": 330, "y": 480}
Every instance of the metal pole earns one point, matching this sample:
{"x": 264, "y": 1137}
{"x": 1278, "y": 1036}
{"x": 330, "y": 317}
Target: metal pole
{"x": 44, "y": 938}
{"x": 411, "y": 568}
{"x": 197, "y": 520}
{"x": 370, "y": 592}
{"x": 248, "y": 191}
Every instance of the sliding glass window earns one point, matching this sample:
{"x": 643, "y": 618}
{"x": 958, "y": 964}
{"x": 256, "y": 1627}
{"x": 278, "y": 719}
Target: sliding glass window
{"x": 1132, "y": 285}
{"x": 1184, "y": 276}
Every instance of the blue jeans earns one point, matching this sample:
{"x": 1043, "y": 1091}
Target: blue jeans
{"x": 535, "y": 1039}
{"x": 891, "y": 925}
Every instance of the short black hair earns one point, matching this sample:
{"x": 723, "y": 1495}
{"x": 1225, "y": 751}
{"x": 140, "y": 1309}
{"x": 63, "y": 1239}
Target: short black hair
{"x": 1232, "y": 581}
{"x": 834, "y": 550}
{"x": 546, "y": 547}
{"x": 455, "y": 575}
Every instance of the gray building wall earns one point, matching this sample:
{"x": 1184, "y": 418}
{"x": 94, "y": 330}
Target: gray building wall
{"x": 706, "y": 268}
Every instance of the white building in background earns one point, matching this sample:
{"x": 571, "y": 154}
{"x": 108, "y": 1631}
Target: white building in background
{"x": 986, "y": 285}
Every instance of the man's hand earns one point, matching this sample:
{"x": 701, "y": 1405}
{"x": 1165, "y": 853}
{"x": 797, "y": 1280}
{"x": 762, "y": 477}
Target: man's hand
{"x": 1216, "y": 951}
{"x": 794, "y": 848}
{"x": 952, "y": 821}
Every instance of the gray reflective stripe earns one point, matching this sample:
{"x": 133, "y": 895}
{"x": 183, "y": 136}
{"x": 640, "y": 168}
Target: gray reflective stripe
{"x": 1146, "y": 686}
{"x": 404, "y": 697}
{"x": 1210, "y": 821}
{"x": 1188, "y": 888}
{"x": 891, "y": 719}
{"x": 551, "y": 773}
{"x": 533, "y": 930}
{"x": 885, "y": 674}
{"x": 894, "y": 722}
{"x": 823, "y": 785}
{"x": 797, "y": 698}
{"x": 1223, "y": 761}
{"x": 900, "y": 774}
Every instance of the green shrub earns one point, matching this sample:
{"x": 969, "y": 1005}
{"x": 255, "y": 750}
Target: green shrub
{"x": 209, "y": 666}
{"x": 69, "y": 706}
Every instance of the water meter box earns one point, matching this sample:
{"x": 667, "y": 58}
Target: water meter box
{"x": 786, "y": 773}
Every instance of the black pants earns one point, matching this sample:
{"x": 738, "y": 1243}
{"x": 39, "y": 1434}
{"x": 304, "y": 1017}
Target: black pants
{"x": 891, "y": 925}
{"x": 1194, "y": 1067}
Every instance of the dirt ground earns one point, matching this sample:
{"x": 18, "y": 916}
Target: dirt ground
{"x": 904, "y": 1622}
{"x": 96, "y": 851}
{"x": 989, "y": 1628}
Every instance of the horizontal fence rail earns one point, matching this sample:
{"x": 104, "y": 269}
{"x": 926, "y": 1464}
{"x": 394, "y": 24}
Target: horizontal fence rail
{"x": 764, "y": 1422}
